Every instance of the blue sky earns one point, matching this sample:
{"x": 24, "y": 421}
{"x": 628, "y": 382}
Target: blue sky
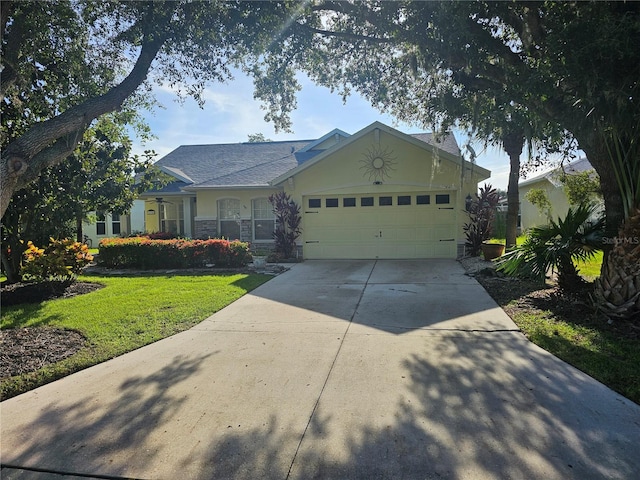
{"x": 230, "y": 115}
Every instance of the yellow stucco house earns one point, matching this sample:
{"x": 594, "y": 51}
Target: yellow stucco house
{"x": 378, "y": 193}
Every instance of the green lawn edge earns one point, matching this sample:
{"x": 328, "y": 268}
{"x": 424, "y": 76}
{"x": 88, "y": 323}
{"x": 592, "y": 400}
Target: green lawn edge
{"x": 128, "y": 313}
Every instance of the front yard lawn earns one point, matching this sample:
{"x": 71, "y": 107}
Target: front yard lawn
{"x": 129, "y": 312}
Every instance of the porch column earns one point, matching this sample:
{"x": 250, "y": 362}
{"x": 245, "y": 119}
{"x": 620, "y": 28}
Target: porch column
{"x": 186, "y": 217}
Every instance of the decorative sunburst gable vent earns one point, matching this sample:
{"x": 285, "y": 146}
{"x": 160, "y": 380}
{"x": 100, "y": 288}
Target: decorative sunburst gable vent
{"x": 378, "y": 163}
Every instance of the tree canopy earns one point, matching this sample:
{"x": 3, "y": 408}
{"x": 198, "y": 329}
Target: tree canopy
{"x": 567, "y": 66}
{"x": 101, "y": 174}
{"x": 67, "y": 63}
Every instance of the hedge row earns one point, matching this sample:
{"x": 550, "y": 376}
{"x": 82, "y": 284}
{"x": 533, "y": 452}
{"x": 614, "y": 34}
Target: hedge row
{"x": 145, "y": 253}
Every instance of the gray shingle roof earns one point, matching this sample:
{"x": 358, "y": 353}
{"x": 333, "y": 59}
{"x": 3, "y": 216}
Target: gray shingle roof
{"x": 250, "y": 164}
{"x": 237, "y": 164}
{"x": 447, "y": 143}
{"x": 577, "y": 166}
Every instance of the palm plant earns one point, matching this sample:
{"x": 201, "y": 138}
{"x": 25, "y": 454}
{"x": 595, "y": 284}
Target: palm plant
{"x": 618, "y": 288}
{"x": 557, "y": 246}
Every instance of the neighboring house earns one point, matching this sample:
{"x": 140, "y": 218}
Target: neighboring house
{"x": 105, "y": 225}
{"x": 376, "y": 194}
{"x": 550, "y": 183}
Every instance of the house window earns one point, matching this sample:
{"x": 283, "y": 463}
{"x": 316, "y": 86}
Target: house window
{"x": 101, "y": 224}
{"x": 442, "y": 199}
{"x": 349, "y": 202}
{"x": 229, "y": 218}
{"x": 263, "y": 219}
{"x": 331, "y": 202}
{"x": 423, "y": 199}
{"x": 366, "y": 202}
{"x": 115, "y": 223}
{"x": 404, "y": 199}
{"x": 315, "y": 203}
{"x": 171, "y": 217}
{"x": 385, "y": 201}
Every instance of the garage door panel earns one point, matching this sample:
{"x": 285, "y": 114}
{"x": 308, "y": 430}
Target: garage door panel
{"x": 390, "y": 231}
{"x": 401, "y": 234}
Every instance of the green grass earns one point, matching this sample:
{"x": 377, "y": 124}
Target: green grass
{"x": 519, "y": 240}
{"x": 592, "y": 347}
{"x": 127, "y": 313}
{"x": 591, "y": 268}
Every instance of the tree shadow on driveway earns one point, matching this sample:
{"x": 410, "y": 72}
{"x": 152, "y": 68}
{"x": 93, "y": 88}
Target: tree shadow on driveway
{"x": 464, "y": 407}
{"x": 75, "y": 436}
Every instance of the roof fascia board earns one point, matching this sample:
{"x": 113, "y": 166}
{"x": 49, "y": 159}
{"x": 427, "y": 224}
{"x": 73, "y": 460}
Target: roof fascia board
{"x": 175, "y": 173}
{"x": 165, "y": 194}
{"x": 197, "y": 188}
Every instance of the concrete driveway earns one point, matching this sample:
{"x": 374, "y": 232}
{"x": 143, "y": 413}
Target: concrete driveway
{"x": 345, "y": 369}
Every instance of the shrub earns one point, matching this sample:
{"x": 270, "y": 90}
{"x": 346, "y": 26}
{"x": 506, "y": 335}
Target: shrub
{"x": 557, "y": 246}
{"x": 288, "y": 221}
{"x": 481, "y": 213}
{"x": 60, "y": 260}
{"x": 239, "y": 254}
{"x": 145, "y": 253}
{"x": 159, "y": 235}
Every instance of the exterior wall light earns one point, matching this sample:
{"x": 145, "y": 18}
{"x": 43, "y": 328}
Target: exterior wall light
{"x": 467, "y": 202}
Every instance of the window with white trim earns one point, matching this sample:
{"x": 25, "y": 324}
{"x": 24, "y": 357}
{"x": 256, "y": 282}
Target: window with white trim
{"x": 115, "y": 223}
{"x": 101, "y": 223}
{"x": 264, "y": 220}
{"x": 229, "y": 218}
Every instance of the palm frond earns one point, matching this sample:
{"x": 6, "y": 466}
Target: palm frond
{"x": 557, "y": 246}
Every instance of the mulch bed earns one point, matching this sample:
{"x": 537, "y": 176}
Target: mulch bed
{"x": 18, "y": 293}
{"x": 516, "y": 295}
{"x": 28, "y": 349}
{"x": 31, "y": 348}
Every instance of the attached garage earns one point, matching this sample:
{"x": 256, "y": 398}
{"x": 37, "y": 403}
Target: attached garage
{"x": 382, "y": 194}
{"x": 388, "y": 225}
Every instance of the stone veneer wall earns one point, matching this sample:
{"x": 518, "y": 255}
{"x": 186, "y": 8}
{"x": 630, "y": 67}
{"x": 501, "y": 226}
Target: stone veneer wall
{"x": 246, "y": 230}
{"x": 206, "y": 229}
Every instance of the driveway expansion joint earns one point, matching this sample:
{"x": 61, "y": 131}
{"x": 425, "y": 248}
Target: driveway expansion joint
{"x": 333, "y": 364}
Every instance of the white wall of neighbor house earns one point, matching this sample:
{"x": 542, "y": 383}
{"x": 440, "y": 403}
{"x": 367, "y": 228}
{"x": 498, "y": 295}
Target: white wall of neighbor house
{"x": 104, "y": 225}
{"x": 530, "y": 215}
{"x": 136, "y": 216}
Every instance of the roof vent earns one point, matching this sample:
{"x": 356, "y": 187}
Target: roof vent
{"x": 293, "y": 149}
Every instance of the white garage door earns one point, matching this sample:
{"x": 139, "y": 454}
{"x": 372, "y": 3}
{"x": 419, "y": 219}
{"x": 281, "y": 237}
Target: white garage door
{"x": 402, "y": 225}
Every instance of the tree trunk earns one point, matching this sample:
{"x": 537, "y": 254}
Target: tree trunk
{"x": 12, "y": 259}
{"x": 48, "y": 143}
{"x": 594, "y": 147}
{"x": 513, "y": 143}
{"x": 618, "y": 287}
{"x": 617, "y": 290}
{"x": 79, "y": 236}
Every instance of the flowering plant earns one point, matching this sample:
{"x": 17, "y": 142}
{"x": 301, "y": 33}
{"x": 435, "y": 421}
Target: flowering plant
{"x": 60, "y": 260}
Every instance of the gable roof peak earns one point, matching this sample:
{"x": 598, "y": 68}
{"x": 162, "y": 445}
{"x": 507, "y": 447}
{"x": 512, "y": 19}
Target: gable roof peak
{"x": 336, "y": 133}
